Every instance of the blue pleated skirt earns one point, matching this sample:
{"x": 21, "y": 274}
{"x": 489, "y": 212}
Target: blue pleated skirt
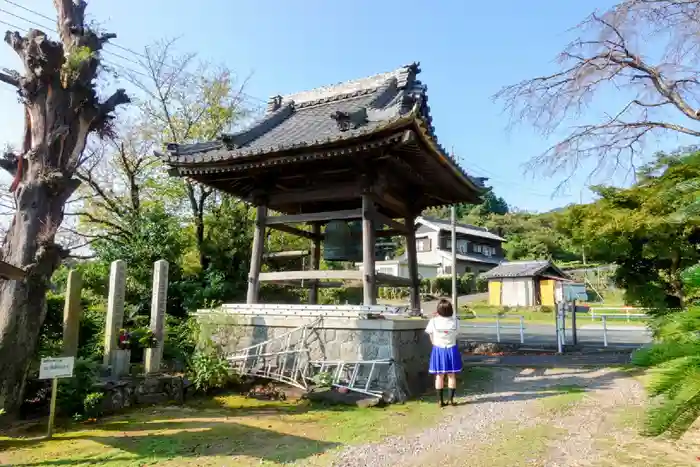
{"x": 445, "y": 360}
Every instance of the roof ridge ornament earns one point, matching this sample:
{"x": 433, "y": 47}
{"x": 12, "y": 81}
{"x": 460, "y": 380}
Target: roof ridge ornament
{"x": 350, "y": 120}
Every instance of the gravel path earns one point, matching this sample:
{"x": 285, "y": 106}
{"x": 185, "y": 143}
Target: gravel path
{"x": 510, "y": 401}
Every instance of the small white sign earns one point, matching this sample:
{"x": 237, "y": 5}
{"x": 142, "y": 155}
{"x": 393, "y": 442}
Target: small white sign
{"x": 56, "y": 367}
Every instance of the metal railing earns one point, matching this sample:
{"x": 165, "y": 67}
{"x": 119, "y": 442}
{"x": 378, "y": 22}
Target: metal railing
{"x": 498, "y": 326}
{"x": 629, "y": 312}
{"x": 613, "y": 316}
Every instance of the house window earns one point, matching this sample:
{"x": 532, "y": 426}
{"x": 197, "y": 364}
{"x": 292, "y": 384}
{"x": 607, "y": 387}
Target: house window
{"x": 478, "y": 248}
{"x": 386, "y": 270}
{"x": 447, "y": 270}
{"x": 462, "y": 246}
{"x": 422, "y": 244}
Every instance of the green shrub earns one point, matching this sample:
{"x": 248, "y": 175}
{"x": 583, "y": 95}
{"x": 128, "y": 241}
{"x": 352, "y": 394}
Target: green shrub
{"x": 92, "y": 404}
{"x": 208, "y": 369}
{"x": 675, "y": 372}
{"x": 72, "y": 392}
{"x": 482, "y": 285}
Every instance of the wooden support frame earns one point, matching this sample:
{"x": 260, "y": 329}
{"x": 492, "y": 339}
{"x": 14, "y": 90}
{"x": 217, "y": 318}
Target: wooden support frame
{"x": 284, "y": 276}
{"x": 294, "y": 231}
{"x": 411, "y": 252}
{"x": 346, "y": 275}
{"x": 257, "y": 255}
{"x": 314, "y": 217}
{"x": 315, "y": 261}
{"x": 381, "y": 219}
{"x": 368, "y": 244}
{"x": 340, "y": 192}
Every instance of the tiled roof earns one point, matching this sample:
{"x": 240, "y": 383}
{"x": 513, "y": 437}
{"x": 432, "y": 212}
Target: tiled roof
{"x": 324, "y": 116}
{"x": 470, "y": 258}
{"x": 466, "y": 229}
{"x": 522, "y": 269}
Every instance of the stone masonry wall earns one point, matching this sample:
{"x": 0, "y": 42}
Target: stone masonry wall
{"x": 346, "y": 339}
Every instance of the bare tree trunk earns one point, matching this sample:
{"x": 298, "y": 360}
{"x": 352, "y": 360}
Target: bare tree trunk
{"x": 29, "y": 243}
{"x": 58, "y": 91}
{"x": 198, "y": 196}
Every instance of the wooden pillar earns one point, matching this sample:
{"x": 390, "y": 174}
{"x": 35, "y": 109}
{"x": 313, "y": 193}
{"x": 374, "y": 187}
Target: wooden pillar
{"x": 413, "y": 264}
{"x": 257, "y": 254}
{"x": 315, "y": 261}
{"x": 369, "y": 283}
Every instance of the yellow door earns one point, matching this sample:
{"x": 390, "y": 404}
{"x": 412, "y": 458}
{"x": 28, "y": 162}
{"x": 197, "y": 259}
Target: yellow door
{"x": 495, "y": 293}
{"x": 547, "y": 292}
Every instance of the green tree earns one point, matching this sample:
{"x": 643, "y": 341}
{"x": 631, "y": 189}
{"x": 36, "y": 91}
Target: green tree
{"x": 645, "y": 229}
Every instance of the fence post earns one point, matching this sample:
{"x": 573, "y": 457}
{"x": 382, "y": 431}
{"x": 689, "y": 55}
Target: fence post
{"x": 498, "y": 328}
{"x": 560, "y": 347}
{"x": 573, "y": 323}
{"x": 605, "y": 331}
{"x": 522, "y": 329}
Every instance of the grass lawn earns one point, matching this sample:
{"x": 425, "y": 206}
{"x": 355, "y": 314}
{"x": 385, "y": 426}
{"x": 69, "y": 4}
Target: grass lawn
{"x": 481, "y": 313}
{"x": 228, "y": 430}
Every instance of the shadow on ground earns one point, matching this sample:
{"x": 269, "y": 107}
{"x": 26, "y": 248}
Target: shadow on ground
{"x": 538, "y": 377}
{"x": 184, "y": 438}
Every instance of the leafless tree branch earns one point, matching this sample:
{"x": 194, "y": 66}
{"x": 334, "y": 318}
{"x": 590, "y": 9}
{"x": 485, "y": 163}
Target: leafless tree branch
{"x": 663, "y": 96}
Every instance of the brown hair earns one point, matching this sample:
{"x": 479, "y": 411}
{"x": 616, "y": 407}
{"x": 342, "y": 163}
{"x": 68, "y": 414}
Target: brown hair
{"x": 444, "y": 308}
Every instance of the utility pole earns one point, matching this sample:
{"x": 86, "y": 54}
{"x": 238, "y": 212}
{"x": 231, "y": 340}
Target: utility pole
{"x": 453, "y": 219}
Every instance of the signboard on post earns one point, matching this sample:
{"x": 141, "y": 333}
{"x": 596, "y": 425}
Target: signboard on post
{"x": 53, "y": 368}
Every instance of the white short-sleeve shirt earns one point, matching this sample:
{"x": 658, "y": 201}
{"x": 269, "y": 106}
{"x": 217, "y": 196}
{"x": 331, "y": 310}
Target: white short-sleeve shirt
{"x": 444, "y": 331}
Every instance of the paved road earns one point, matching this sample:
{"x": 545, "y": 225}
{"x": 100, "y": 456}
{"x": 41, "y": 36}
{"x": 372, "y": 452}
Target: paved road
{"x": 544, "y": 334}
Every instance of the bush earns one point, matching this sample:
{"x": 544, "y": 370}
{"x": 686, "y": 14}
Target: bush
{"x": 92, "y": 404}
{"x": 482, "y": 285}
{"x": 675, "y": 368}
{"x": 208, "y": 369}
{"x": 73, "y": 392}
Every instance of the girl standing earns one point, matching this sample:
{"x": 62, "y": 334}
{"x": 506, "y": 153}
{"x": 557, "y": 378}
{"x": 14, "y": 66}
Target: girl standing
{"x": 445, "y": 358}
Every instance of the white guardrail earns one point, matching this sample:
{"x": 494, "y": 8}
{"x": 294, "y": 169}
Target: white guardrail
{"x": 498, "y": 326}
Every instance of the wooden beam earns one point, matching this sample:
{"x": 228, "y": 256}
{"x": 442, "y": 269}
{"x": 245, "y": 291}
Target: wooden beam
{"x": 385, "y": 220}
{"x": 412, "y": 255}
{"x": 286, "y": 254}
{"x": 256, "y": 255}
{"x": 10, "y": 272}
{"x": 317, "y": 284}
{"x": 391, "y": 280}
{"x": 283, "y": 276}
{"x": 315, "y": 217}
{"x": 368, "y": 244}
{"x": 315, "y": 261}
{"x": 337, "y": 192}
{"x": 294, "y": 231}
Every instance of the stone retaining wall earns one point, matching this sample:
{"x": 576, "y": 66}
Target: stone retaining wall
{"x": 337, "y": 338}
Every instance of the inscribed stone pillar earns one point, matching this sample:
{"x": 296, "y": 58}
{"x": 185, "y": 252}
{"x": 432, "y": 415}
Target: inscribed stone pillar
{"x": 115, "y": 308}
{"x": 72, "y": 311}
{"x": 158, "y": 305}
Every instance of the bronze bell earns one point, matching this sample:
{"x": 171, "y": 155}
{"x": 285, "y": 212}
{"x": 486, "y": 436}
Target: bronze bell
{"x": 342, "y": 241}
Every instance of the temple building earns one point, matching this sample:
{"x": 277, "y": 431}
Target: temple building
{"x": 340, "y": 165}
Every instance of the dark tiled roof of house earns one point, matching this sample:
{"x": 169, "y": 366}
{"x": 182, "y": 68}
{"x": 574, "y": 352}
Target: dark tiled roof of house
{"x": 523, "y": 269}
{"x": 467, "y": 229}
{"x": 325, "y": 116}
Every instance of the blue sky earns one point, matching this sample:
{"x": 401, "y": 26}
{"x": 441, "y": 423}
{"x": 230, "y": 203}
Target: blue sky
{"x": 467, "y": 50}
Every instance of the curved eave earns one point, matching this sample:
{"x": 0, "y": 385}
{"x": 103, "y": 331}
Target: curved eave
{"x": 423, "y": 131}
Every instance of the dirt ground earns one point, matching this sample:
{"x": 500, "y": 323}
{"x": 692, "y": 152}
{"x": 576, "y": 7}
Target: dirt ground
{"x": 506, "y": 417}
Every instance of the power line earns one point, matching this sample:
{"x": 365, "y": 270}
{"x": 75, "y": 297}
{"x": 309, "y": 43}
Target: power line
{"x": 30, "y": 21}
